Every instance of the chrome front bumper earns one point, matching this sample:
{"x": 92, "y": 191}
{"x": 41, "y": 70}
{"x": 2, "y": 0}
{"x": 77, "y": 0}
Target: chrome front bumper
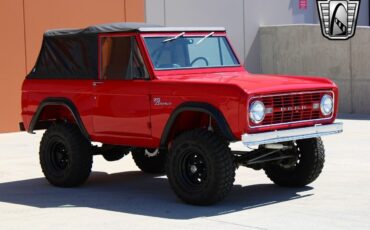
{"x": 291, "y": 134}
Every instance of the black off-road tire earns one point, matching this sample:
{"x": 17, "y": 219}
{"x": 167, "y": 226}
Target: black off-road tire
{"x": 307, "y": 169}
{"x": 65, "y": 155}
{"x": 149, "y": 164}
{"x": 212, "y": 177}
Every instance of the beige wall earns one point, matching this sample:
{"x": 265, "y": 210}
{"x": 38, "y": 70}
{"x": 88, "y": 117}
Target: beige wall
{"x": 242, "y": 19}
{"x": 302, "y": 50}
{"x": 23, "y": 22}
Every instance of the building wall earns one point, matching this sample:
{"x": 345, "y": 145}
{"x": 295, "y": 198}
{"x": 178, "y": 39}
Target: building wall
{"x": 242, "y": 19}
{"x": 23, "y": 23}
{"x": 307, "y": 52}
{"x": 12, "y": 62}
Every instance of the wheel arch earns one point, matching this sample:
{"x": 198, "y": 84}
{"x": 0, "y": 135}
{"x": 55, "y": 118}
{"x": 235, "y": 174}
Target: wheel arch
{"x": 201, "y": 107}
{"x": 63, "y": 102}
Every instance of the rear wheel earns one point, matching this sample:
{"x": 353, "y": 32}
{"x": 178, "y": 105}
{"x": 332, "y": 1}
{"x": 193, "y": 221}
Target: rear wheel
{"x": 200, "y": 168}
{"x": 149, "y": 160}
{"x": 65, "y": 155}
{"x": 304, "y": 169}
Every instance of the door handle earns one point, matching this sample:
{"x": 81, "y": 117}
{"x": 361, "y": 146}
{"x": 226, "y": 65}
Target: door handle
{"x": 96, "y": 83}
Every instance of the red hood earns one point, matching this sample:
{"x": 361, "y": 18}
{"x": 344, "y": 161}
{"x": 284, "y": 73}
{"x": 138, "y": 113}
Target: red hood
{"x": 256, "y": 83}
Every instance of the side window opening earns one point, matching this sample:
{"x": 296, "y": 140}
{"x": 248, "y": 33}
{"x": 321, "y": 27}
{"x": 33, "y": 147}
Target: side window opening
{"x": 121, "y": 59}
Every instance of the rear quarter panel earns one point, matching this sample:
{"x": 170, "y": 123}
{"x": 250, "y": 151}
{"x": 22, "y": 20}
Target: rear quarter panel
{"x": 77, "y": 91}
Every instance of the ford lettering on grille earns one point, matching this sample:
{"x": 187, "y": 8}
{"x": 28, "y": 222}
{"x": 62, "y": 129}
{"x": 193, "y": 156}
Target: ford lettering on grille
{"x": 295, "y": 108}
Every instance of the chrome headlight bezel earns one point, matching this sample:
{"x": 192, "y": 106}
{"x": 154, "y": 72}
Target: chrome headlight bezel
{"x": 257, "y": 112}
{"x": 327, "y": 105}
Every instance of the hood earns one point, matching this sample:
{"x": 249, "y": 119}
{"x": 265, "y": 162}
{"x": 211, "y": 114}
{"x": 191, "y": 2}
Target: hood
{"x": 257, "y": 83}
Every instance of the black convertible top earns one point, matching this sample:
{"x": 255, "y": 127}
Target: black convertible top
{"x": 103, "y": 28}
{"x": 126, "y": 27}
{"x": 73, "y": 53}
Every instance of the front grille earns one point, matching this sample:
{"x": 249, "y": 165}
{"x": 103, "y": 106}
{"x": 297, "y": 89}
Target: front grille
{"x": 293, "y": 107}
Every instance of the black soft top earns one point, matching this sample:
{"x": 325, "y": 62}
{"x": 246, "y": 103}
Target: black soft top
{"x": 125, "y": 27}
{"x": 73, "y": 53}
{"x": 103, "y": 28}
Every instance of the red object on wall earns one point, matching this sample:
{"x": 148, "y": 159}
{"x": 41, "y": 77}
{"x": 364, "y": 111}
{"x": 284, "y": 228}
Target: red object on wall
{"x": 302, "y": 4}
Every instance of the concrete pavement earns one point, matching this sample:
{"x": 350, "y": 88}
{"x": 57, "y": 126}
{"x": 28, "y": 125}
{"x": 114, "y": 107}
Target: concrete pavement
{"x": 119, "y": 196}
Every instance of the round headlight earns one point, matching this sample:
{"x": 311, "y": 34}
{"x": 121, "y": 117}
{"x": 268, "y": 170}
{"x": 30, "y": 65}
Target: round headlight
{"x": 257, "y": 112}
{"x": 326, "y": 105}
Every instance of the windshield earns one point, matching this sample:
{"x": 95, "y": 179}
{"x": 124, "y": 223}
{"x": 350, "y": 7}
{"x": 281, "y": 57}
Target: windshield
{"x": 186, "y": 52}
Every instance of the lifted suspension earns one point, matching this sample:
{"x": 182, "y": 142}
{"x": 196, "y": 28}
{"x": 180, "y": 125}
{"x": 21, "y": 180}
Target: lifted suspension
{"x": 264, "y": 154}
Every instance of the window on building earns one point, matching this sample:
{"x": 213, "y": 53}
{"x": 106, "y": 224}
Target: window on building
{"x": 121, "y": 59}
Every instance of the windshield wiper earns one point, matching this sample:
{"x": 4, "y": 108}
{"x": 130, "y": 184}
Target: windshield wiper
{"x": 204, "y": 38}
{"x": 174, "y": 38}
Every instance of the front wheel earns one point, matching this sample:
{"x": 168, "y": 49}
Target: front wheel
{"x": 200, "y": 167}
{"x": 65, "y": 155}
{"x": 304, "y": 169}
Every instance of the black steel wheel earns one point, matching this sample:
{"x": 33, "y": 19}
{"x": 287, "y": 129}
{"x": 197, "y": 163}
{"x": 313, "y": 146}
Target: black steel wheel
{"x": 65, "y": 155}
{"x": 200, "y": 167}
{"x": 58, "y": 156}
{"x": 302, "y": 170}
{"x": 194, "y": 168}
{"x": 149, "y": 160}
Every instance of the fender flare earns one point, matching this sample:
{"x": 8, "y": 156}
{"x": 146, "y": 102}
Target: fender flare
{"x": 197, "y": 107}
{"x": 63, "y": 102}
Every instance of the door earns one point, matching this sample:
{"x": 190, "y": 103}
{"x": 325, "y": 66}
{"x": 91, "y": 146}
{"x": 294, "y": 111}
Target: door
{"x": 122, "y": 112}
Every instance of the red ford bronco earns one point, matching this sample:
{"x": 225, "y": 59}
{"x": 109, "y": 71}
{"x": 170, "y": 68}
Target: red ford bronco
{"x": 175, "y": 98}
